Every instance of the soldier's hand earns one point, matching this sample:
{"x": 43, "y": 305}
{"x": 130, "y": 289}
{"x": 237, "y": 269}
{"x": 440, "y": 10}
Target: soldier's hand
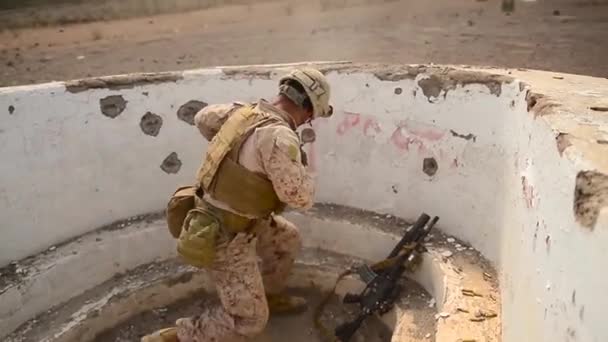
{"x": 304, "y": 157}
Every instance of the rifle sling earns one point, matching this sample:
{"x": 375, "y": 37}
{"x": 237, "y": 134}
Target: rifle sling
{"x": 327, "y": 334}
{"x": 376, "y": 267}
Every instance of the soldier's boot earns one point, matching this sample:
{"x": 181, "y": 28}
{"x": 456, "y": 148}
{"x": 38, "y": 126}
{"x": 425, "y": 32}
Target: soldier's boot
{"x": 285, "y": 304}
{"x": 163, "y": 335}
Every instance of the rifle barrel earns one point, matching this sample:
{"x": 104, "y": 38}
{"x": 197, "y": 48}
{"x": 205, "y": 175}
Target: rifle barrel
{"x": 407, "y": 237}
{"x": 422, "y": 233}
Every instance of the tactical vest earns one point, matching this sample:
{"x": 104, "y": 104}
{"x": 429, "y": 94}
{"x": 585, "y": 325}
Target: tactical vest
{"x": 222, "y": 177}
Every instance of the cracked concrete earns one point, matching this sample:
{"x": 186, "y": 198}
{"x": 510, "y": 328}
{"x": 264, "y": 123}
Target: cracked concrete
{"x": 590, "y": 196}
{"x": 120, "y": 82}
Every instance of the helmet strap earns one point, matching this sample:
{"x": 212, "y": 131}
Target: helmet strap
{"x": 294, "y": 95}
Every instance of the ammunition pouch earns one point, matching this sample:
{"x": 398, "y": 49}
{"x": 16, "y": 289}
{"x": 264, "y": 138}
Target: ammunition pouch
{"x": 180, "y": 203}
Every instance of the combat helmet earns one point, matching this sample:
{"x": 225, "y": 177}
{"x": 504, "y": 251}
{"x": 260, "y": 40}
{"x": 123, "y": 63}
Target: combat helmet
{"x": 316, "y": 87}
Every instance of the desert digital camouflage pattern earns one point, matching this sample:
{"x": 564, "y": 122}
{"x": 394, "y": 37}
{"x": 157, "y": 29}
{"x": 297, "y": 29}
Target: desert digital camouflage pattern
{"x": 248, "y": 268}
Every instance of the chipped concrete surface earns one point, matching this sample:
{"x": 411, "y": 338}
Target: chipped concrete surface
{"x": 565, "y": 105}
{"x": 441, "y": 83}
{"x": 112, "y": 106}
{"x": 241, "y": 73}
{"x": 464, "y": 136}
{"x": 590, "y": 196}
{"x": 120, "y": 82}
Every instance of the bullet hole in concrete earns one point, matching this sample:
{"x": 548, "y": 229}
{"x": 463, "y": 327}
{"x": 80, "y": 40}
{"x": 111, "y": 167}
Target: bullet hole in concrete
{"x": 513, "y": 104}
{"x": 145, "y": 93}
{"x": 367, "y": 85}
{"x": 151, "y": 123}
{"x": 548, "y": 243}
{"x": 395, "y": 190}
{"x": 187, "y": 111}
{"x": 590, "y": 196}
{"x": 563, "y": 142}
{"x": 431, "y": 87}
{"x": 398, "y": 91}
{"x": 429, "y": 166}
{"x": 112, "y": 105}
{"x": 11, "y": 109}
{"x": 574, "y": 297}
{"x": 98, "y": 239}
{"x": 171, "y": 164}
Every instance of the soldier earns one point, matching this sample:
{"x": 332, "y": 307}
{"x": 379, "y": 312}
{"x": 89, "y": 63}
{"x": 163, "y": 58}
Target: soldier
{"x": 253, "y": 168}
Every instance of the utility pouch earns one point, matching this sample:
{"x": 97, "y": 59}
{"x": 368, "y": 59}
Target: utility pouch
{"x": 178, "y": 207}
{"x": 198, "y": 239}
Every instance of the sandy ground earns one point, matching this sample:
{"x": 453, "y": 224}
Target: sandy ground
{"x": 559, "y": 35}
{"x": 298, "y": 328}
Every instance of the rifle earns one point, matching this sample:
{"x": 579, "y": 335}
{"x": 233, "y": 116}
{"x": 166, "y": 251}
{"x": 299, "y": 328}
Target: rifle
{"x": 382, "y": 288}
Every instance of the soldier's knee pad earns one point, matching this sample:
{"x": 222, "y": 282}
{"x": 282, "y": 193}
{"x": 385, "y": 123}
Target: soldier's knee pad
{"x": 287, "y": 231}
{"x": 253, "y": 326}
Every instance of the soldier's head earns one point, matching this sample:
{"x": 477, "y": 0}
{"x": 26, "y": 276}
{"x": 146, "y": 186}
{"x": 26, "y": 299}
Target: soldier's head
{"x": 308, "y": 90}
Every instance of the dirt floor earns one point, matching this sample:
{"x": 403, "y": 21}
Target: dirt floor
{"x": 297, "y": 328}
{"x": 559, "y": 35}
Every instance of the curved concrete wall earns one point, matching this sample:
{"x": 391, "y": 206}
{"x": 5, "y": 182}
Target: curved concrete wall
{"x": 513, "y": 162}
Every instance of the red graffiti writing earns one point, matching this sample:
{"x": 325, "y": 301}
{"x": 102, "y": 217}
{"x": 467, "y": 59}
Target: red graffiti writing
{"x": 371, "y": 127}
{"x": 404, "y": 143}
{"x": 350, "y": 120}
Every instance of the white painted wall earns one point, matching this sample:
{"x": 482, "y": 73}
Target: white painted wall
{"x": 67, "y": 169}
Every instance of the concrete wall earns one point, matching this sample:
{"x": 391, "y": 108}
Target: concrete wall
{"x": 498, "y": 162}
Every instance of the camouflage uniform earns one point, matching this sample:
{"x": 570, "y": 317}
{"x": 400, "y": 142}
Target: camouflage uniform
{"x": 248, "y": 267}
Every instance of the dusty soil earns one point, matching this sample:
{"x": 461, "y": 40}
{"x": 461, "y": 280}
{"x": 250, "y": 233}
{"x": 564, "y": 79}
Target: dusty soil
{"x": 560, "y": 35}
{"x": 299, "y": 328}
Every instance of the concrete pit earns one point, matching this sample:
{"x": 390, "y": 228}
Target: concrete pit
{"x": 154, "y": 295}
{"x": 510, "y": 160}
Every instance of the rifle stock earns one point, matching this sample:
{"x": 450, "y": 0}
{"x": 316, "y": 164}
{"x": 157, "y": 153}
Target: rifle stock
{"x": 345, "y": 331}
{"x": 381, "y": 292}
